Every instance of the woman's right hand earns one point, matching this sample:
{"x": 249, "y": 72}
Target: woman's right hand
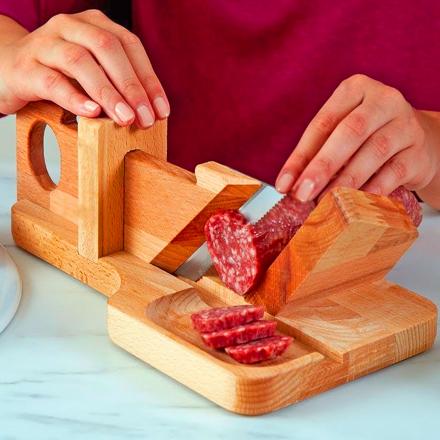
{"x": 108, "y": 63}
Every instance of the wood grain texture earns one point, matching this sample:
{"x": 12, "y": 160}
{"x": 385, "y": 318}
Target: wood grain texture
{"x": 102, "y": 146}
{"x": 326, "y": 288}
{"x": 334, "y": 344}
{"x": 350, "y": 238}
{"x": 166, "y": 207}
{"x": 33, "y": 180}
{"x": 172, "y": 346}
{"x": 53, "y": 239}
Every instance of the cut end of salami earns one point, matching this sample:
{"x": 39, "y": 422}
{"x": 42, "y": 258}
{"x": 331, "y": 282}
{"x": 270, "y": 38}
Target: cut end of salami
{"x": 261, "y": 350}
{"x": 409, "y": 202}
{"x": 241, "y": 251}
{"x": 240, "y": 335}
{"x": 221, "y": 318}
{"x": 231, "y": 241}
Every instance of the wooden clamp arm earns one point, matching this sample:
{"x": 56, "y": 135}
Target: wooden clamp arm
{"x": 350, "y": 238}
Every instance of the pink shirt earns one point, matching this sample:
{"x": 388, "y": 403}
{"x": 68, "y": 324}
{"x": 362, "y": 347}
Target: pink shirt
{"x": 245, "y": 77}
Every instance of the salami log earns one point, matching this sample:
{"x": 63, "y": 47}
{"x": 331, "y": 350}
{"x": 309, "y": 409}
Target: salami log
{"x": 261, "y": 350}
{"x": 242, "y": 251}
{"x": 240, "y": 334}
{"x": 221, "y": 318}
{"x": 409, "y": 202}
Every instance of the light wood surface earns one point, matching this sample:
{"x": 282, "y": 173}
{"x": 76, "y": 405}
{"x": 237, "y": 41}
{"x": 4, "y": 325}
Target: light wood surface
{"x": 165, "y": 225}
{"x": 33, "y": 181}
{"x": 326, "y": 289}
{"x": 102, "y": 146}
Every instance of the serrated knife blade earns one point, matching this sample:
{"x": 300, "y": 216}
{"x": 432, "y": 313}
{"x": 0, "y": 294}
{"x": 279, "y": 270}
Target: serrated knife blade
{"x": 200, "y": 261}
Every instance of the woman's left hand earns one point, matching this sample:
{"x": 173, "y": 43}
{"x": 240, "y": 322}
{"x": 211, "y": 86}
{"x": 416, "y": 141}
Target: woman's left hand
{"x": 365, "y": 136}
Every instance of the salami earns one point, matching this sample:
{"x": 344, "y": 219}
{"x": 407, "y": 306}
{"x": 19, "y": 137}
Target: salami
{"x": 409, "y": 202}
{"x": 261, "y": 350}
{"x": 242, "y": 251}
{"x": 240, "y": 334}
{"x": 221, "y": 318}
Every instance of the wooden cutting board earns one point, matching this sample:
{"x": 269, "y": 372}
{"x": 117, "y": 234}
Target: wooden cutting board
{"x": 122, "y": 219}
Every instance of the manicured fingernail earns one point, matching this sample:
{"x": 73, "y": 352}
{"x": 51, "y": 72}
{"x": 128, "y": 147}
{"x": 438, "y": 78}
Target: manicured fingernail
{"x": 90, "y": 106}
{"x": 305, "y": 190}
{"x": 145, "y": 117}
{"x": 161, "y": 107}
{"x": 124, "y": 112}
{"x": 284, "y": 182}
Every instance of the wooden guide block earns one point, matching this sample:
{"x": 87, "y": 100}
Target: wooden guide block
{"x": 164, "y": 225}
{"x": 326, "y": 288}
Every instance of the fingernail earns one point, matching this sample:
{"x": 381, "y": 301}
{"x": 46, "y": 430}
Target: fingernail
{"x": 145, "y": 117}
{"x": 91, "y": 106}
{"x": 284, "y": 182}
{"x": 124, "y": 112}
{"x": 161, "y": 107}
{"x": 305, "y": 190}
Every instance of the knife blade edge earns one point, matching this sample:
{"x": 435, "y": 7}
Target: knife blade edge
{"x": 256, "y": 207}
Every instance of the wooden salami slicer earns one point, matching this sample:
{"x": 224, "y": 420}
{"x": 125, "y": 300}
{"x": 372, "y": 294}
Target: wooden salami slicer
{"x": 122, "y": 219}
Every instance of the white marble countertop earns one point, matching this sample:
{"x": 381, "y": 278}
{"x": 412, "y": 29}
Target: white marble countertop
{"x": 61, "y": 377}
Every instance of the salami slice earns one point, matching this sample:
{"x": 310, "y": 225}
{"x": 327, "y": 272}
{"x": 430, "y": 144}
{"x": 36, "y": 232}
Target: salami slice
{"x": 261, "y": 350}
{"x": 409, "y": 202}
{"x": 239, "y": 335}
{"x": 221, "y": 318}
{"x": 242, "y": 251}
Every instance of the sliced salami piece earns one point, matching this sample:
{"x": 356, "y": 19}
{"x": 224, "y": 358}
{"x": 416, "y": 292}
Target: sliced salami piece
{"x": 261, "y": 350}
{"x": 240, "y": 334}
{"x": 221, "y": 318}
{"x": 241, "y": 251}
{"x": 409, "y": 202}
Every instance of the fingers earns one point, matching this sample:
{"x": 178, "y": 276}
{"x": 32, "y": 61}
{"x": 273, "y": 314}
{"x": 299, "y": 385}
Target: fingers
{"x": 54, "y": 86}
{"x": 107, "y": 50}
{"x": 394, "y": 173}
{"x": 108, "y": 62}
{"x": 400, "y": 170}
{"x": 345, "y": 140}
{"x": 343, "y": 101}
{"x": 78, "y": 63}
{"x": 378, "y": 149}
{"x": 138, "y": 58}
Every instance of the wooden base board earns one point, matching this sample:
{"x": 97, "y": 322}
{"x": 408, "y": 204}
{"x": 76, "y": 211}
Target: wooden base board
{"x": 340, "y": 337}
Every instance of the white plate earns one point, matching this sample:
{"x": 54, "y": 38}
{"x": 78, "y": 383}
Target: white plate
{"x": 10, "y": 289}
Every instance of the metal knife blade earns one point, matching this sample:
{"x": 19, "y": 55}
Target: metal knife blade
{"x": 261, "y": 202}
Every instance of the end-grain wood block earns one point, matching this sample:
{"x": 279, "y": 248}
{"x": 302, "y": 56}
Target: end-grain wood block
{"x": 33, "y": 181}
{"x": 367, "y": 326}
{"x": 166, "y": 206}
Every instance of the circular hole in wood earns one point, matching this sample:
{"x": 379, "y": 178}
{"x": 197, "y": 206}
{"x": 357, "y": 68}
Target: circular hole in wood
{"x": 52, "y": 156}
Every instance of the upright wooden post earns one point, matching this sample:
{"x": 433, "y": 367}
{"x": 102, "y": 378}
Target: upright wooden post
{"x": 102, "y": 147}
